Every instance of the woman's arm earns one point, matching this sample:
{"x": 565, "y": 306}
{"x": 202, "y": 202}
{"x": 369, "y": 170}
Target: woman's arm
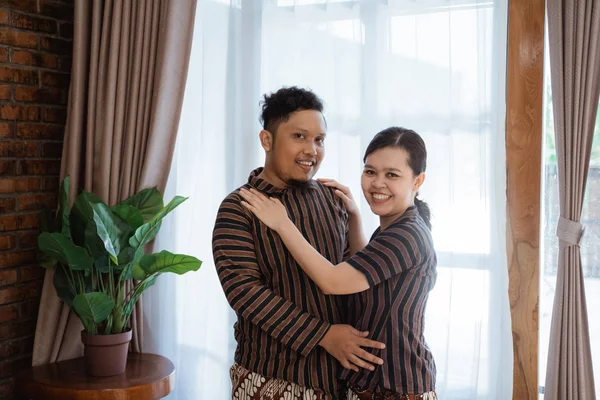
{"x": 332, "y": 279}
{"x": 356, "y": 237}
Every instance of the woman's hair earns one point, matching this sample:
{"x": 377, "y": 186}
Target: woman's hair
{"x": 413, "y": 144}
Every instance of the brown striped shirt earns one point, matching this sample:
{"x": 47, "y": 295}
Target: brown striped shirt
{"x": 282, "y": 314}
{"x": 400, "y": 266}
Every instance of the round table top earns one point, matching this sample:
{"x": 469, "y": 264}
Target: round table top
{"x": 148, "y": 376}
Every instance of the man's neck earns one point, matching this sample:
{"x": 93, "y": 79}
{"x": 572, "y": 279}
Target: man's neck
{"x": 268, "y": 175}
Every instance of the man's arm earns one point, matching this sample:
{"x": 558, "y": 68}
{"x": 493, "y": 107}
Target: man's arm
{"x": 243, "y": 283}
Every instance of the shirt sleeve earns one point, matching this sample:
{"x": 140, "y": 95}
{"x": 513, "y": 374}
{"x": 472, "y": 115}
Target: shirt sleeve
{"x": 397, "y": 249}
{"x": 243, "y": 283}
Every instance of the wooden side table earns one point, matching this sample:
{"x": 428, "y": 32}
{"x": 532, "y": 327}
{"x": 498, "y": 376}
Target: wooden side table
{"x": 148, "y": 377}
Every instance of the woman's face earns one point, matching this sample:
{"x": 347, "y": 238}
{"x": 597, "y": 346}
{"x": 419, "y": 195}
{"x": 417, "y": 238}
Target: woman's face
{"x": 389, "y": 183}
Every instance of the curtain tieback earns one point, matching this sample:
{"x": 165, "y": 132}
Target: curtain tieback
{"x": 569, "y": 232}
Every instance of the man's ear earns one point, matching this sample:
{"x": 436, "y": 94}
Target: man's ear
{"x": 266, "y": 140}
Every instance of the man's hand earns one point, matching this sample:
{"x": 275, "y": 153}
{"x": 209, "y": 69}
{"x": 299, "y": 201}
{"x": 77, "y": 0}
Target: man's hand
{"x": 345, "y": 344}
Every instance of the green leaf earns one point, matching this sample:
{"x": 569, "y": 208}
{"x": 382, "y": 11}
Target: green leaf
{"x": 148, "y": 202}
{"x": 110, "y": 229}
{"x": 165, "y": 262}
{"x": 47, "y": 221}
{"x": 138, "y": 292}
{"x": 63, "y": 207}
{"x": 60, "y": 248}
{"x": 129, "y": 214}
{"x": 45, "y": 260}
{"x": 82, "y": 218}
{"x": 148, "y": 231}
{"x": 93, "y": 308}
{"x": 63, "y": 288}
{"x": 93, "y": 243}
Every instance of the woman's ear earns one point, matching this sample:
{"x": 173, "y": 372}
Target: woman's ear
{"x": 419, "y": 181}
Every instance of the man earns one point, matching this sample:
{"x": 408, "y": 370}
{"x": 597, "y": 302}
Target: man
{"x": 289, "y": 333}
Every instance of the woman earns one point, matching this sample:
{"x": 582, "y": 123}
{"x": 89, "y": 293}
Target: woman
{"x": 392, "y": 275}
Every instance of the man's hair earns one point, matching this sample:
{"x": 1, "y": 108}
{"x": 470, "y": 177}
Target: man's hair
{"x": 277, "y": 107}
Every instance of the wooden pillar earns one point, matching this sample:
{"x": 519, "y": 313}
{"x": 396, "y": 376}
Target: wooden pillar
{"x": 524, "y": 121}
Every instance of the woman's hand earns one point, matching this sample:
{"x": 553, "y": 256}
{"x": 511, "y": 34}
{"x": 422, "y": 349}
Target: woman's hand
{"x": 343, "y": 192}
{"x": 269, "y": 210}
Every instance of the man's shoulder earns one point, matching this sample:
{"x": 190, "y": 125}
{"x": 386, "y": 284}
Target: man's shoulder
{"x": 234, "y": 199}
{"x": 324, "y": 191}
{"x": 232, "y": 203}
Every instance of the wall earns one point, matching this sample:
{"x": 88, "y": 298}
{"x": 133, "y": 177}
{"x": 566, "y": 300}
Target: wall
{"x": 35, "y": 61}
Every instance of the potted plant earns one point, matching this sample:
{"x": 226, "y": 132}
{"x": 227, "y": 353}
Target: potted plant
{"x": 97, "y": 250}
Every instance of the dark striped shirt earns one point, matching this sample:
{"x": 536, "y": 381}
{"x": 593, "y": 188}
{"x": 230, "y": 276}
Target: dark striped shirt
{"x": 400, "y": 266}
{"x": 282, "y": 314}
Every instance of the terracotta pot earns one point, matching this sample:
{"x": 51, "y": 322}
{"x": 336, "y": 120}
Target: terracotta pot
{"x": 105, "y": 355}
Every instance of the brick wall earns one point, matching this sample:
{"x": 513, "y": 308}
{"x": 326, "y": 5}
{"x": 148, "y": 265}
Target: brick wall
{"x": 35, "y": 62}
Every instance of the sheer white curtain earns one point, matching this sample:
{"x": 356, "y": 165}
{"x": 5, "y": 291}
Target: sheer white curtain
{"x": 436, "y": 66}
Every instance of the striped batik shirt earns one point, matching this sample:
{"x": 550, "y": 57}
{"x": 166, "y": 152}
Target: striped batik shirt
{"x": 400, "y": 266}
{"x": 282, "y": 314}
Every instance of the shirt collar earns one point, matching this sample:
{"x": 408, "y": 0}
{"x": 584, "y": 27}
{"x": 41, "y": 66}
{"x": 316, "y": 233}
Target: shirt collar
{"x": 259, "y": 183}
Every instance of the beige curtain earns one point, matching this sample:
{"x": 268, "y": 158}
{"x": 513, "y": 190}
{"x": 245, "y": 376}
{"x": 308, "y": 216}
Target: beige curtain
{"x": 574, "y": 41}
{"x": 130, "y": 62}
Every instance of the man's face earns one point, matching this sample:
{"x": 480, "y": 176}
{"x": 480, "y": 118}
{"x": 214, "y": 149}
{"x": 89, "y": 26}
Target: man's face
{"x": 297, "y": 148}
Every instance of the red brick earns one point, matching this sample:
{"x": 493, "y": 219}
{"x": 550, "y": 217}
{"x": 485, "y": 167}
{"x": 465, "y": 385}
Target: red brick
{"x": 15, "y": 348}
{"x": 66, "y": 64}
{"x": 56, "y": 46}
{"x": 8, "y": 313}
{"x": 66, "y": 30}
{"x": 56, "y": 115}
{"x": 6, "y": 130}
{"x": 18, "y": 149}
{"x": 29, "y": 58}
{"x": 29, "y": 308}
{"x": 7, "y": 388}
{"x": 40, "y": 95}
{"x": 39, "y": 167}
{"x": 52, "y": 149}
{"x": 15, "y": 223}
{"x": 16, "y": 185}
{"x": 3, "y": 54}
{"x": 13, "y": 330}
{"x": 32, "y": 273}
{"x": 7, "y": 205}
{"x": 19, "y": 113}
{"x": 7, "y": 242}
{"x": 4, "y": 92}
{"x": 40, "y": 131}
{"x": 50, "y": 184}
{"x": 28, "y": 239}
{"x": 8, "y": 260}
{"x": 3, "y": 17}
{"x": 32, "y": 23}
{"x": 37, "y": 202}
{"x": 8, "y": 167}
{"x": 8, "y": 277}
{"x": 18, "y": 75}
{"x": 21, "y": 5}
{"x": 21, "y": 292}
{"x": 55, "y": 79}
{"x": 19, "y": 39}
{"x": 60, "y": 11}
